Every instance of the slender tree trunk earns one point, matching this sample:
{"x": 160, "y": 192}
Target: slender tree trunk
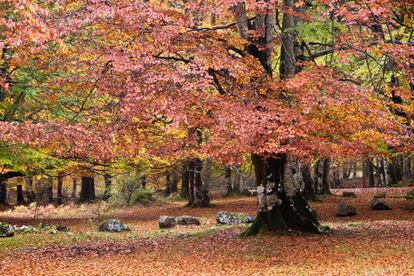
{"x": 308, "y": 191}
{"x": 191, "y": 179}
{"x": 144, "y": 181}
{"x": 174, "y": 182}
{"x": 364, "y": 174}
{"x": 59, "y": 197}
{"x": 354, "y": 174}
{"x": 30, "y": 196}
{"x": 370, "y": 173}
{"x": 87, "y": 192}
{"x": 185, "y": 180}
{"x": 3, "y": 193}
{"x": 227, "y": 181}
{"x": 199, "y": 194}
{"x": 108, "y": 186}
{"x": 207, "y": 181}
{"x": 20, "y": 196}
{"x": 74, "y": 187}
{"x": 325, "y": 176}
{"x": 49, "y": 190}
{"x": 237, "y": 179}
{"x": 317, "y": 174}
{"x": 168, "y": 183}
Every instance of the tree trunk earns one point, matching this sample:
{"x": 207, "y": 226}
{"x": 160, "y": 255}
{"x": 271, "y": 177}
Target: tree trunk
{"x": 87, "y": 192}
{"x": 207, "y": 180}
{"x": 237, "y": 179}
{"x": 200, "y": 199}
{"x": 191, "y": 180}
{"x": 370, "y": 173}
{"x": 59, "y": 197}
{"x": 354, "y": 174}
{"x": 174, "y": 182}
{"x": 281, "y": 205}
{"x": 3, "y": 193}
{"x": 168, "y": 183}
{"x": 30, "y": 196}
{"x": 144, "y": 181}
{"x": 308, "y": 191}
{"x": 325, "y": 176}
{"x": 19, "y": 195}
{"x": 317, "y": 176}
{"x": 227, "y": 181}
{"x": 49, "y": 190}
{"x": 74, "y": 187}
{"x": 108, "y": 186}
{"x": 185, "y": 180}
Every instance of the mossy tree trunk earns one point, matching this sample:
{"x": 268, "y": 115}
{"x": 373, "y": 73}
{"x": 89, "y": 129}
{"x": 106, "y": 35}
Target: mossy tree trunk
{"x": 281, "y": 205}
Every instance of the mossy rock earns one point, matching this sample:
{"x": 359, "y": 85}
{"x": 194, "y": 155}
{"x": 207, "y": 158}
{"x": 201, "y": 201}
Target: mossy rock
{"x": 6, "y": 230}
{"x": 349, "y": 194}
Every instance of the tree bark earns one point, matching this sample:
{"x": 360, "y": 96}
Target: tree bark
{"x": 227, "y": 181}
{"x": 308, "y": 191}
{"x": 168, "y": 183}
{"x": 59, "y": 197}
{"x": 3, "y": 193}
{"x": 185, "y": 180}
{"x": 108, "y": 186}
{"x": 370, "y": 173}
{"x": 325, "y": 176}
{"x": 74, "y": 187}
{"x": 200, "y": 199}
{"x": 207, "y": 180}
{"x": 49, "y": 190}
{"x": 237, "y": 179}
{"x": 30, "y": 196}
{"x": 87, "y": 192}
{"x": 20, "y": 196}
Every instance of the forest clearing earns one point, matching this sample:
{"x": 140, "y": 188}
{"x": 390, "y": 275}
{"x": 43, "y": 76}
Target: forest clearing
{"x": 206, "y": 137}
{"x": 372, "y": 242}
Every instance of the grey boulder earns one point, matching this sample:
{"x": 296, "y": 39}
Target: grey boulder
{"x": 113, "y": 225}
{"x": 166, "y": 222}
{"x": 6, "y": 230}
{"x": 233, "y": 218}
{"x": 187, "y": 220}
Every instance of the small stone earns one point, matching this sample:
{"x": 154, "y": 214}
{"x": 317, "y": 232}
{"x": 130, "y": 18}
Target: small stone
{"x": 187, "y": 220}
{"x": 379, "y": 204}
{"x": 233, "y": 218}
{"x": 6, "y": 230}
{"x": 166, "y": 222}
{"x": 344, "y": 210}
{"x": 113, "y": 225}
{"x": 349, "y": 194}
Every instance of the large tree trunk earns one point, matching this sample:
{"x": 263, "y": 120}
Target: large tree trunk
{"x": 87, "y": 192}
{"x": 191, "y": 180}
{"x": 227, "y": 181}
{"x": 3, "y": 193}
{"x": 317, "y": 175}
{"x": 281, "y": 205}
{"x": 370, "y": 173}
{"x": 168, "y": 183}
{"x": 59, "y": 197}
{"x": 207, "y": 180}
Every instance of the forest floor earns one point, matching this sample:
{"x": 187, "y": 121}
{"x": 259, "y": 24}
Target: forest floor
{"x": 370, "y": 243}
